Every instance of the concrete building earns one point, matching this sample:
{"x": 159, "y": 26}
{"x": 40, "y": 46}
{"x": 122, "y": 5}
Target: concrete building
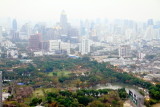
{"x": 59, "y": 46}
{"x": 39, "y": 53}
{"x": 84, "y": 47}
{"x": 35, "y": 42}
{"x": 124, "y": 51}
{"x": 12, "y": 53}
{"x": 65, "y": 46}
{"x": 141, "y": 55}
{"x": 8, "y": 44}
{"x": 54, "y": 45}
{"x": 136, "y": 98}
{"x": 14, "y": 25}
{"x": 64, "y": 23}
{"x": 25, "y": 31}
{"x": 44, "y": 45}
{"x": 15, "y": 35}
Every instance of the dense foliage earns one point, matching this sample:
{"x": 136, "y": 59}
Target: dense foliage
{"x": 94, "y": 73}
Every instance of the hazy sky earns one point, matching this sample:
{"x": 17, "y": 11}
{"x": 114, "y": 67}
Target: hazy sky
{"x": 80, "y": 9}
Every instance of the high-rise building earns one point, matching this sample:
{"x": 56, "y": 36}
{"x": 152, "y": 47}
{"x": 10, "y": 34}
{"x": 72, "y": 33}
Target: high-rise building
{"x": 82, "y": 28}
{"x": 65, "y": 46}
{"x": 150, "y": 22}
{"x": 149, "y": 33}
{"x": 25, "y": 31}
{"x": 54, "y": 45}
{"x": 44, "y": 45}
{"x": 63, "y": 22}
{"x": 84, "y": 47}
{"x": 0, "y": 33}
{"x": 57, "y": 46}
{"x": 14, "y": 25}
{"x": 35, "y": 42}
{"x": 124, "y": 51}
{"x": 15, "y": 35}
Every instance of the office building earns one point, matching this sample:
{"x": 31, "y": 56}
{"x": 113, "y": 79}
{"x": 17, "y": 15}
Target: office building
{"x": 124, "y": 51}
{"x": 65, "y": 47}
{"x": 14, "y": 25}
{"x": 54, "y": 45}
{"x": 15, "y": 35}
{"x": 35, "y": 42}
{"x": 64, "y": 23}
{"x": 136, "y": 98}
{"x": 84, "y": 47}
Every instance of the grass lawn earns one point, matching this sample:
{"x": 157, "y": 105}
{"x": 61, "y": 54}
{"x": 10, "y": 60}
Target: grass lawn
{"x": 41, "y": 92}
{"x": 50, "y": 90}
{"x": 50, "y": 74}
{"x": 38, "y": 93}
{"x": 63, "y": 73}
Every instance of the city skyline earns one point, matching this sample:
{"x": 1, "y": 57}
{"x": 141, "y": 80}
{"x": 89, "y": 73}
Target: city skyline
{"x": 45, "y": 10}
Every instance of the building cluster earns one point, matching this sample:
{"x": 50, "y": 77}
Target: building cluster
{"x": 8, "y": 49}
{"x": 124, "y": 43}
{"x": 125, "y": 34}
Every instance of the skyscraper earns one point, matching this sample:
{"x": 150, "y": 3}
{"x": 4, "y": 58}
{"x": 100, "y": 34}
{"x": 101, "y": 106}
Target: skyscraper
{"x": 63, "y": 22}
{"x": 150, "y": 22}
{"x": 14, "y": 25}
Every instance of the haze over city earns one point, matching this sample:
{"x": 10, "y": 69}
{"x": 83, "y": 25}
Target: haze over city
{"x": 44, "y": 10}
{"x": 79, "y": 53}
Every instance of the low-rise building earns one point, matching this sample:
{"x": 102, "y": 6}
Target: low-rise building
{"x": 39, "y": 53}
{"x": 136, "y": 98}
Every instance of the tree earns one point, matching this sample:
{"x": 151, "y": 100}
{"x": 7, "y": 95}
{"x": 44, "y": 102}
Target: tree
{"x": 85, "y": 100}
{"x": 35, "y": 101}
{"x": 122, "y": 93}
{"x": 95, "y": 103}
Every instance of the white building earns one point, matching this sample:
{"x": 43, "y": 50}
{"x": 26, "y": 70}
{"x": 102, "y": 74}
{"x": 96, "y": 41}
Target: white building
{"x": 58, "y": 45}
{"x": 65, "y": 46}
{"x": 8, "y": 44}
{"x": 84, "y": 47}
{"x": 12, "y": 53}
{"x": 40, "y": 53}
{"x": 141, "y": 55}
{"x": 149, "y": 33}
{"x": 54, "y": 45}
{"x": 24, "y": 55}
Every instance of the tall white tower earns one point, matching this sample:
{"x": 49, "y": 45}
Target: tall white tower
{"x": 84, "y": 47}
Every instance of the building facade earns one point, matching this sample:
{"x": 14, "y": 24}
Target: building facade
{"x": 84, "y": 47}
{"x": 35, "y": 42}
{"x": 124, "y": 51}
